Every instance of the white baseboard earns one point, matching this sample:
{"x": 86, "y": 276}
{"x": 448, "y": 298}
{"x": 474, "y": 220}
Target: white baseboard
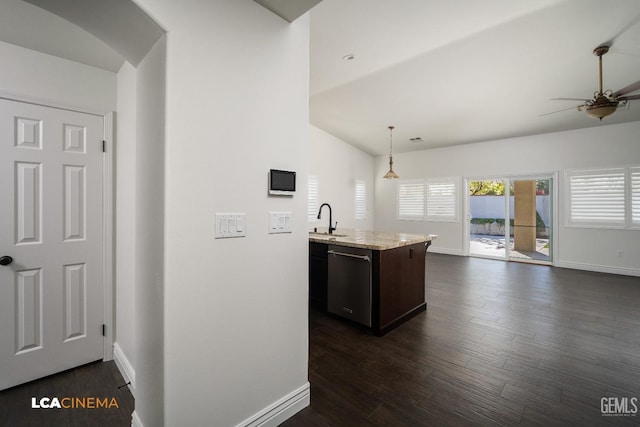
{"x": 444, "y": 251}
{"x": 135, "y": 420}
{"x": 125, "y": 367}
{"x": 625, "y": 271}
{"x": 280, "y": 411}
{"x": 599, "y": 268}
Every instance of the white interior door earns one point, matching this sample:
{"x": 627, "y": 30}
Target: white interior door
{"x": 51, "y": 295}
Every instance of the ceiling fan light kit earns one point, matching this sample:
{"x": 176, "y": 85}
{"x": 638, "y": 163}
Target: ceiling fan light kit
{"x": 602, "y": 105}
{"x": 601, "y": 108}
{"x": 605, "y": 102}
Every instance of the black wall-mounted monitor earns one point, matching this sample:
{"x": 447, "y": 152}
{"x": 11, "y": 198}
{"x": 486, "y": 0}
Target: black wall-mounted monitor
{"x": 282, "y": 183}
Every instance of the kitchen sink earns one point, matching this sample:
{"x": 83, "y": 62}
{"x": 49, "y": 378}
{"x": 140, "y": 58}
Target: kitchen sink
{"x": 318, "y": 233}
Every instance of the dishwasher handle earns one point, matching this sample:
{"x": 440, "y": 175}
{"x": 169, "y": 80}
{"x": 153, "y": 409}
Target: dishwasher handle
{"x": 362, "y": 257}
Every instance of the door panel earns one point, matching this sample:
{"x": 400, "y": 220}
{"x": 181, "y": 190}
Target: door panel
{"x": 488, "y": 229}
{"x": 28, "y": 202}
{"x": 74, "y": 204}
{"x": 51, "y": 296}
{"x": 74, "y": 292}
{"x": 28, "y": 325}
{"x": 532, "y": 215}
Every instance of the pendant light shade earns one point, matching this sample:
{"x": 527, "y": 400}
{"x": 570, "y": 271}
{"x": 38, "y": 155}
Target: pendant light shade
{"x": 391, "y": 174}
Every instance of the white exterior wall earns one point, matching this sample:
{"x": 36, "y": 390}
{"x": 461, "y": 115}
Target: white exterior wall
{"x": 338, "y": 165}
{"x": 596, "y": 147}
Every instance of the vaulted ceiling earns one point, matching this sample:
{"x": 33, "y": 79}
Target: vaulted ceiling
{"x": 99, "y": 33}
{"x": 31, "y": 27}
{"x": 448, "y": 72}
{"x": 456, "y": 72}
{"x": 121, "y": 24}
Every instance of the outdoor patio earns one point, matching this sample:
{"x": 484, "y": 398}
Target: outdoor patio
{"x": 494, "y": 246}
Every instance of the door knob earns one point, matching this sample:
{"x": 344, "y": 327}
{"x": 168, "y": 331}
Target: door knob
{"x": 6, "y": 260}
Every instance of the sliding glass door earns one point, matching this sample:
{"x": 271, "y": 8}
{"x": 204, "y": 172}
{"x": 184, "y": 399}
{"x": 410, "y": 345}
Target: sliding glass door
{"x": 488, "y": 229}
{"x": 531, "y": 214}
{"x": 510, "y": 218}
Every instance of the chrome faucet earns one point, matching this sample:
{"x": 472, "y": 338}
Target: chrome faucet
{"x": 331, "y": 228}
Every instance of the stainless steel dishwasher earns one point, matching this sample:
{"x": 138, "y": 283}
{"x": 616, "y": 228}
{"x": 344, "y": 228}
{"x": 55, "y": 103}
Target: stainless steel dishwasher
{"x": 349, "y": 283}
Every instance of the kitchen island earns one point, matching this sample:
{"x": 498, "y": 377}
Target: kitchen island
{"x": 376, "y": 279}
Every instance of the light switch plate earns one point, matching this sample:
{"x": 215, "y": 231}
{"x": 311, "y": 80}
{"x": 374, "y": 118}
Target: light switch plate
{"x": 280, "y": 222}
{"x": 230, "y": 225}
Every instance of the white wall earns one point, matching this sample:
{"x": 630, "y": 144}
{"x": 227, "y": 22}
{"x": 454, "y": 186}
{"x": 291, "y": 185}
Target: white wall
{"x": 235, "y": 322}
{"x": 149, "y": 328}
{"x": 338, "y": 165}
{"x": 596, "y": 147}
{"x": 45, "y": 77}
{"x": 125, "y": 227}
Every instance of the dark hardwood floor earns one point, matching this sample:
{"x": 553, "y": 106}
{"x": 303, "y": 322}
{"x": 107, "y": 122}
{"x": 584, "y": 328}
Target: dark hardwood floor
{"x": 98, "y": 379}
{"x": 500, "y": 344}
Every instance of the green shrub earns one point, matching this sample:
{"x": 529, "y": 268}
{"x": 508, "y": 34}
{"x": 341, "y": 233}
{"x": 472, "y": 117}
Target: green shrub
{"x": 500, "y": 221}
{"x": 482, "y": 220}
{"x": 539, "y": 222}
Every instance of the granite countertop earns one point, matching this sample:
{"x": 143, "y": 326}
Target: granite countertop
{"x": 375, "y": 240}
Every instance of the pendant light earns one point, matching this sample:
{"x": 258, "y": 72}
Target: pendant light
{"x": 391, "y": 174}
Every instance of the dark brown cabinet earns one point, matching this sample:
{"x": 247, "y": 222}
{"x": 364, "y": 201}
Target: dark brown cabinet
{"x": 318, "y": 270}
{"x": 398, "y": 283}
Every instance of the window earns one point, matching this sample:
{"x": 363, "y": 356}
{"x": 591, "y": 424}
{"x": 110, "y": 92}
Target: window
{"x": 411, "y": 195}
{"x": 441, "y": 199}
{"x": 361, "y": 200}
{"x": 597, "y": 197}
{"x": 313, "y": 197}
{"x": 635, "y": 196}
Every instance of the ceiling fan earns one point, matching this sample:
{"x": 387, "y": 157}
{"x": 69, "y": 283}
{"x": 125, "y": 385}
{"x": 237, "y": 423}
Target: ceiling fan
{"x": 603, "y": 103}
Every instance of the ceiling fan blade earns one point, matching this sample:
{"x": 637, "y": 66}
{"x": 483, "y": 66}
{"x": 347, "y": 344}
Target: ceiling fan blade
{"x": 628, "y": 98}
{"x": 633, "y": 21}
{"x": 569, "y": 99}
{"x": 631, "y": 88}
{"x": 564, "y": 109}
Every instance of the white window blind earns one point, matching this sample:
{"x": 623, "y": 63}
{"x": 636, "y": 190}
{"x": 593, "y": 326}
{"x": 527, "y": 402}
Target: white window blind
{"x": 361, "y": 200}
{"x": 635, "y": 196}
{"x": 313, "y": 195}
{"x": 411, "y": 200}
{"x": 597, "y": 197}
{"x": 441, "y": 200}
